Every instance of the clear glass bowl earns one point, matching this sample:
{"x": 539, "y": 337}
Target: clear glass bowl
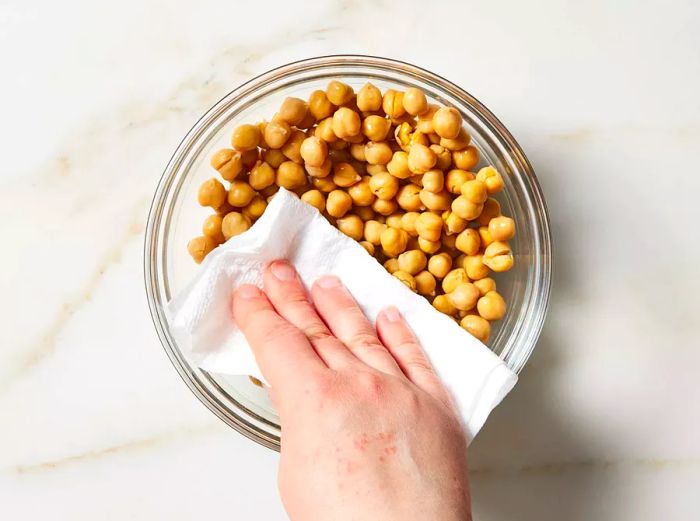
{"x": 175, "y": 218}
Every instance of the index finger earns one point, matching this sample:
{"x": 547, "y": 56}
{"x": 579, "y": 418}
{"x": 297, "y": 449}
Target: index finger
{"x": 282, "y": 351}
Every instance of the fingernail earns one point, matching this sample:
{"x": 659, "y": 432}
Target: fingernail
{"x": 328, "y": 282}
{"x": 392, "y": 314}
{"x": 248, "y": 291}
{"x": 282, "y": 270}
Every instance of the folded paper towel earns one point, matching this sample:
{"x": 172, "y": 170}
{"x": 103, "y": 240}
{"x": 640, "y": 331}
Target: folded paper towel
{"x": 201, "y": 322}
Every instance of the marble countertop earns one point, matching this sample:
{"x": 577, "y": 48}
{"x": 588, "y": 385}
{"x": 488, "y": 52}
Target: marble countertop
{"x": 603, "y": 97}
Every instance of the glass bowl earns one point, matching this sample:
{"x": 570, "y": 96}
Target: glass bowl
{"x": 175, "y": 218}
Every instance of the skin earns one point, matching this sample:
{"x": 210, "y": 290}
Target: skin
{"x": 369, "y": 430}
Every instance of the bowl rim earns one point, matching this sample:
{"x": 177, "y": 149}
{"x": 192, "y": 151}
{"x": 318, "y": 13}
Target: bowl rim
{"x": 213, "y": 399}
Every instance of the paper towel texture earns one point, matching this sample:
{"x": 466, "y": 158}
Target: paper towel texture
{"x": 201, "y": 322}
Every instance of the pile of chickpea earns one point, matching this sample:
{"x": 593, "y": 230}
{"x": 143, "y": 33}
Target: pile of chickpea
{"x": 392, "y": 171}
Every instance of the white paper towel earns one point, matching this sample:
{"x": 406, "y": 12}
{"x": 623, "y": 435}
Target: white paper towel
{"x": 201, "y": 321}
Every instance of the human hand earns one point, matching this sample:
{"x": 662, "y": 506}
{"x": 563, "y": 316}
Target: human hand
{"x": 369, "y": 432}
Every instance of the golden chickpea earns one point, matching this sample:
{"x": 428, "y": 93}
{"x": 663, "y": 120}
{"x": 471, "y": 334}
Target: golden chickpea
{"x": 351, "y": 225}
{"x": 228, "y": 163}
{"x": 277, "y": 133}
{"x": 444, "y": 157}
{"x": 368, "y": 246}
{"x": 406, "y": 278}
{"x": 491, "y": 306}
{"x": 369, "y": 98}
{"x": 420, "y": 159}
{"x": 414, "y": 101}
{"x": 364, "y": 212}
{"x": 443, "y": 305}
{"x": 459, "y": 143}
{"x": 453, "y": 279}
{"x": 425, "y": 120}
{"x": 425, "y": 283}
{"x": 315, "y": 198}
{"x": 378, "y": 153}
{"x": 464, "y": 296}
{"x": 245, "y": 137}
{"x": 466, "y": 209}
{"x": 502, "y": 228}
{"x": 408, "y": 197}
{"x": 447, "y": 122}
{"x": 392, "y": 103}
{"x": 345, "y": 175}
{"x": 485, "y": 236}
{"x": 427, "y": 246}
{"x": 261, "y": 176}
{"x": 408, "y": 223}
{"x": 313, "y": 151}
{"x": 200, "y": 247}
{"x": 433, "y": 181}
{"x": 212, "y": 228}
{"x": 412, "y": 261}
{"x": 468, "y": 241}
{"x": 477, "y": 327}
{"x": 435, "y": 201}
{"x": 376, "y": 128}
{"x": 393, "y": 241}
{"x": 376, "y": 169}
{"x": 373, "y": 231}
{"x": 453, "y": 223}
{"x": 391, "y": 265}
{"x": 211, "y": 193}
{"x": 398, "y": 166}
{"x": 320, "y": 171}
{"x": 467, "y": 158}
{"x": 383, "y": 207}
{"x": 292, "y": 148}
{"x": 324, "y": 184}
{"x": 320, "y": 106}
{"x": 346, "y": 123}
{"x": 440, "y": 265}
{"x": 274, "y": 157}
{"x": 361, "y": 193}
{"x": 291, "y": 175}
{"x": 492, "y": 209}
{"x": 402, "y": 136}
{"x": 475, "y": 267}
{"x": 448, "y": 242}
{"x": 338, "y": 203}
{"x": 357, "y": 151}
{"x": 491, "y": 178}
{"x": 475, "y": 191}
{"x": 339, "y": 93}
{"x": 498, "y": 256}
{"x": 255, "y": 208}
{"x": 429, "y": 226}
{"x": 293, "y": 110}
{"x": 324, "y": 130}
{"x": 384, "y": 185}
{"x": 394, "y": 220}
{"x": 234, "y": 223}
{"x": 240, "y": 194}
{"x": 455, "y": 179}
{"x": 485, "y": 285}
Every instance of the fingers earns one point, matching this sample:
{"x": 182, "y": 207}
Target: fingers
{"x": 348, "y": 323}
{"x": 404, "y": 347}
{"x": 289, "y": 297}
{"x": 282, "y": 352}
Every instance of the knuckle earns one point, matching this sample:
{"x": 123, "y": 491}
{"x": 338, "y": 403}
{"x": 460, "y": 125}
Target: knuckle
{"x": 317, "y": 332}
{"x": 364, "y": 340}
{"x": 372, "y": 384}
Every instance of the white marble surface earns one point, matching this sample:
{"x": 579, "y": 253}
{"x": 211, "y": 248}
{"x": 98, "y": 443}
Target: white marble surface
{"x": 603, "y": 97}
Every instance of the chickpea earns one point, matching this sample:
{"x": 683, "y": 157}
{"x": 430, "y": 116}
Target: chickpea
{"x": 357, "y": 151}
{"x": 292, "y": 148}
{"x": 443, "y": 305}
{"x": 502, "y": 228}
{"x": 200, "y": 247}
{"x": 384, "y": 185}
{"x": 274, "y": 157}
{"x": 324, "y": 130}
{"x": 444, "y": 157}
{"x": 459, "y": 143}
{"x": 468, "y": 241}
{"x": 491, "y": 178}
{"x": 402, "y": 136}
{"x": 392, "y": 104}
{"x": 338, "y": 203}
{"x": 427, "y": 246}
{"x": 291, "y": 175}
{"x": 245, "y": 137}
{"x": 425, "y": 283}
{"x": 351, "y": 225}
{"x": 320, "y": 171}
{"x": 406, "y": 278}
{"x": 394, "y": 220}
{"x": 440, "y": 265}
{"x": 391, "y": 265}
{"x": 464, "y": 296}
{"x": 408, "y": 223}
{"x": 467, "y": 158}
{"x": 255, "y": 208}
{"x": 320, "y": 106}
{"x": 414, "y": 101}
{"x": 433, "y": 181}
{"x": 228, "y": 163}
{"x": 498, "y": 256}
{"x": 435, "y": 201}
{"x": 315, "y": 198}
{"x": 369, "y": 98}
{"x": 447, "y": 122}
{"x": 364, "y": 212}
{"x": 475, "y": 191}
{"x": 261, "y": 176}
{"x": 408, "y": 197}
{"x": 293, "y": 110}
{"x": 375, "y": 169}
{"x": 368, "y": 246}
{"x": 491, "y": 306}
{"x": 361, "y": 193}
{"x": 346, "y": 123}
{"x": 373, "y": 231}
{"x": 455, "y": 179}
{"x": 429, "y": 226}
{"x": 234, "y": 223}
{"x": 412, "y": 261}
{"x": 324, "y": 184}
{"x": 212, "y": 228}
{"x": 453, "y": 279}
{"x": 378, "y": 153}
{"x": 212, "y": 193}
{"x": 475, "y": 267}
{"x": 477, "y": 327}
{"x": 383, "y": 207}
{"x": 485, "y": 236}
{"x": 466, "y": 209}
{"x": 345, "y": 175}
{"x": 277, "y": 133}
{"x": 421, "y": 159}
{"x": 492, "y": 209}
{"x": 240, "y": 194}
{"x": 425, "y": 120}
{"x": 376, "y": 128}
{"x": 313, "y": 151}
{"x": 393, "y": 241}
{"x": 398, "y": 166}
{"x": 453, "y": 223}
{"x": 485, "y": 285}
{"x": 339, "y": 93}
